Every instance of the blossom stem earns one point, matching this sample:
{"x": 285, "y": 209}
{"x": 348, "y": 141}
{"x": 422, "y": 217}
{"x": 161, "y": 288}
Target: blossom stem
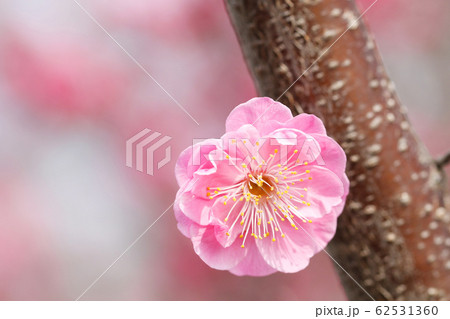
{"x": 443, "y": 161}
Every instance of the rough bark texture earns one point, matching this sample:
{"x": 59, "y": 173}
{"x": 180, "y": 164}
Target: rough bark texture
{"x": 393, "y": 236}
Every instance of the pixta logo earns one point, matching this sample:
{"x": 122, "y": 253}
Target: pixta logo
{"x": 141, "y": 148}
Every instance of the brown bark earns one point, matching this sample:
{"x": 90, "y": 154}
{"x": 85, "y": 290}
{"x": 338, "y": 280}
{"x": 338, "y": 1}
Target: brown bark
{"x": 393, "y": 236}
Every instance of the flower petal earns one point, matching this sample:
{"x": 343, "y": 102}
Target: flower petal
{"x": 257, "y": 112}
{"x": 253, "y": 264}
{"x": 222, "y": 228}
{"x": 185, "y": 225}
{"x": 195, "y": 208}
{"x": 323, "y": 192}
{"x": 307, "y": 123}
{"x": 213, "y": 254}
{"x": 292, "y": 253}
{"x": 332, "y": 156}
{"x": 223, "y": 173}
{"x": 285, "y": 142}
{"x": 192, "y": 158}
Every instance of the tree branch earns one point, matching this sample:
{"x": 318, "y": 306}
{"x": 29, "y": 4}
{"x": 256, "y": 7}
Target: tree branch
{"x": 393, "y": 236}
{"x": 443, "y": 161}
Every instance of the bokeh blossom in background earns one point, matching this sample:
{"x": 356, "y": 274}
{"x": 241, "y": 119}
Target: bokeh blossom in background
{"x": 70, "y": 98}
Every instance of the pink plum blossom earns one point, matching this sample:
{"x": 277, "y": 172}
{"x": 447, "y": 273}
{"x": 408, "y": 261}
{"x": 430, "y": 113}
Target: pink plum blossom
{"x": 266, "y": 196}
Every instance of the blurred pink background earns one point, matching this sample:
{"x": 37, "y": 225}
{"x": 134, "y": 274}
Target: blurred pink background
{"x": 70, "y": 98}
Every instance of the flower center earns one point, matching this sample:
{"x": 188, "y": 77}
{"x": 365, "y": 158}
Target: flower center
{"x": 268, "y": 200}
{"x": 262, "y": 186}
